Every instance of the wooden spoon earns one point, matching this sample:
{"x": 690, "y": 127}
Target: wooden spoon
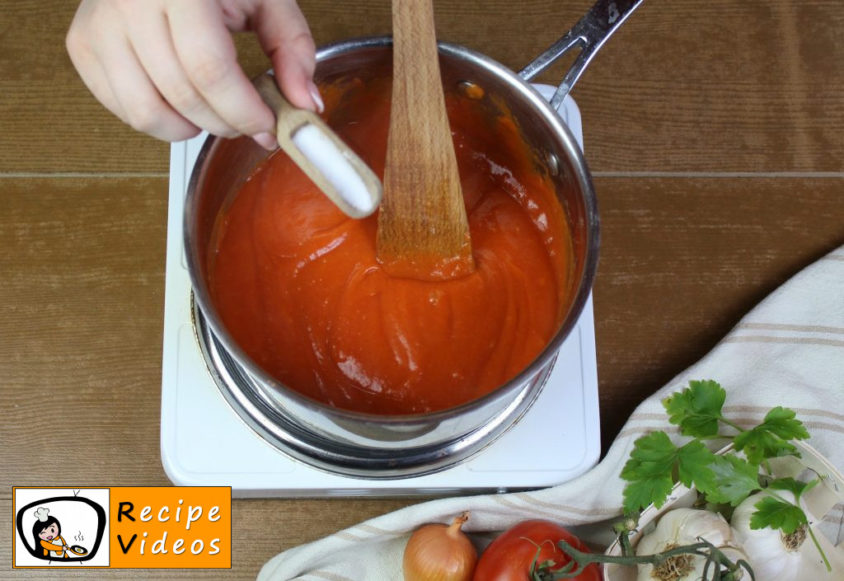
{"x": 422, "y": 227}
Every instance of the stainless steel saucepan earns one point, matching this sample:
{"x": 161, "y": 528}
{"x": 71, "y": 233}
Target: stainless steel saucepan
{"x": 375, "y": 446}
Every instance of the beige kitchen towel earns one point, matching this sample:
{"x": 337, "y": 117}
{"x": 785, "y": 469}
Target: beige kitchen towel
{"x": 788, "y": 351}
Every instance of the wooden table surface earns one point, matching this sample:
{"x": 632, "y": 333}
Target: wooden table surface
{"x": 715, "y": 131}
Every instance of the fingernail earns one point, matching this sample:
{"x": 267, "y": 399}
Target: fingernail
{"x": 266, "y": 140}
{"x": 316, "y": 97}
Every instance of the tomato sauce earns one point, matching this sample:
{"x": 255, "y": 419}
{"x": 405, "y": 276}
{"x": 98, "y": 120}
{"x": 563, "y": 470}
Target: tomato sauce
{"x": 298, "y": 286}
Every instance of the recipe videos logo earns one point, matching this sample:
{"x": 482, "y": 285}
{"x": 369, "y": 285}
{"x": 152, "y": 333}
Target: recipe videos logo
{"x": 122, "y": 527}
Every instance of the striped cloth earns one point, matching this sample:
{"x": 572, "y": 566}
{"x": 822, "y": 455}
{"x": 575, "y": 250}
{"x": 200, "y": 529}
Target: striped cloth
{"x": 788, "y": 351}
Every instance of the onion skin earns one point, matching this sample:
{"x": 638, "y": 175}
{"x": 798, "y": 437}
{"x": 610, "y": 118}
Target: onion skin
{"x": 436, "y": 552}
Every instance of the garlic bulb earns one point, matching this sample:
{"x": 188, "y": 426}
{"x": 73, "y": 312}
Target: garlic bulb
{"x": 772, "y": 554}
{"x": 684, "y": 526}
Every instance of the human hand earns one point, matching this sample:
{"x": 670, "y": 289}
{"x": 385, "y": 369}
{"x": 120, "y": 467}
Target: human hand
{"x": 169, "y": 67}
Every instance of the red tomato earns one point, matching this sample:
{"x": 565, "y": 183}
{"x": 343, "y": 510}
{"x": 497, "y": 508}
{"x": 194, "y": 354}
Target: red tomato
{"x": 509, "y": 557}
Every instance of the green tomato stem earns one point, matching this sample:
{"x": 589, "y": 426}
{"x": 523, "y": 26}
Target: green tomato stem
{"x": 580, "y": 560}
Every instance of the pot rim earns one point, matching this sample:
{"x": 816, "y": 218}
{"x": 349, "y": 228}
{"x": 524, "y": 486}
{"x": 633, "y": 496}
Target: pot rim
{"x": 581, "y": 295}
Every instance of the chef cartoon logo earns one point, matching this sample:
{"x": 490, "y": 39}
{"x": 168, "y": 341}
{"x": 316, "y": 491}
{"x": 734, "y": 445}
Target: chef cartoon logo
{"x": 61, "y": 527}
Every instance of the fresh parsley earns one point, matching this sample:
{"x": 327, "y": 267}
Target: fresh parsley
{"x": 770, "y": 439}
{"x": 735, "y": 480}
{"x": 656, "y": 463}
{"x": 697, "y": 409}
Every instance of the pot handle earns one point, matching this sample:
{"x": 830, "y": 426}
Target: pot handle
{"x": 590, "y": 33}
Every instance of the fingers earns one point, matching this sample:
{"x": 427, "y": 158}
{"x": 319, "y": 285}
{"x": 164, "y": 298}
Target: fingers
{"x": 89, "y": 68}
{"x": 210, "y": 62}
{"x": 151, "y": 39}
{"x": 285, "y": 36}
{"x": 101, "y": 52}
{"x": 170, "y": 68}
{"x": 141, "y": 103}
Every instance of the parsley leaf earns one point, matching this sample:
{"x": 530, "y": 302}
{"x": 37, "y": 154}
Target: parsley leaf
{"x": 735, "y": 478}
{"x": 777, "y": 514}
{"x": 784, "y": 423}
{"x": 652, "y": 455}
{"x": 769, "y": 439}
{"x": 759, "y": 444}
{"x": 697, "y": 408}
{"x": 640, "y": 493}
{"x": 693, "y": 466}
{"x": 652, "y": 464}
{"x": 648, "y": 472}
{"x": 795, "y": 487}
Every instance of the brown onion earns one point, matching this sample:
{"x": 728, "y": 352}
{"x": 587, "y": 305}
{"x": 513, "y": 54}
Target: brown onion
{"x": 436, "y": 552}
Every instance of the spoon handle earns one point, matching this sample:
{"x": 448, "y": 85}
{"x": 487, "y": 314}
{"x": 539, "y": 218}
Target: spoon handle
{"x": 417, "y": 85}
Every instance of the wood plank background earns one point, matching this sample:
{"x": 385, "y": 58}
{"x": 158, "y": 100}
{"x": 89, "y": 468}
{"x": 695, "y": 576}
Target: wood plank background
{"x": 714, "y": 130}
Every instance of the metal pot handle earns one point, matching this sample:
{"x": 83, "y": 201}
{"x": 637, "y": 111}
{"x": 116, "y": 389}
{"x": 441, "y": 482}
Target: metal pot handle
{"x": 590, "y": 33}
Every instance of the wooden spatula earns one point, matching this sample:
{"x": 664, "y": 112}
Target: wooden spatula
{"x": 422, "y": 228}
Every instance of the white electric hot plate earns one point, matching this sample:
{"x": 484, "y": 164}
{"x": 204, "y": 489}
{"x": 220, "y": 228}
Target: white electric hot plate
{"x": 204, "y": 442}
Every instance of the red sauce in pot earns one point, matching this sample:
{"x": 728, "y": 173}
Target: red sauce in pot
{"x": 298, "y": 286}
